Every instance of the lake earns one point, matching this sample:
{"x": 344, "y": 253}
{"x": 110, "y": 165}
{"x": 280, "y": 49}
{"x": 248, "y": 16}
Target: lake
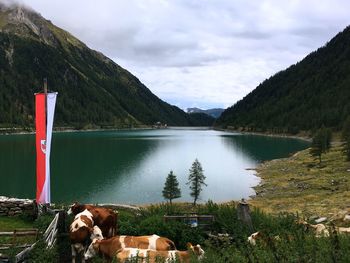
{"x": 131, "y": 166}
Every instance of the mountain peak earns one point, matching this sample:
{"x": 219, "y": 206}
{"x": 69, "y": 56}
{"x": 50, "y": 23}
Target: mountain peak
{"x": 25, "y": 22}
{"x": 94, "y": 90}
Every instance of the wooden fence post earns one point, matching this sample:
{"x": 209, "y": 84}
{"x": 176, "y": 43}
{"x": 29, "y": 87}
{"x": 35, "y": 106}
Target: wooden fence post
{"x": 243, "y": 214}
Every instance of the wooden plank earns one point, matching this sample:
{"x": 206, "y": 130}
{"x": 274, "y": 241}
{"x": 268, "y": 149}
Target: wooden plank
{"x": 6, "y": 233}
{"x": 19, "y": 232}
{"x": 52, "y": 225}
{"x": 21, "y": 256}
{"x": 10, "y": 246}
{"x": 203, "y": 221}
{"x": 200, "y": 217}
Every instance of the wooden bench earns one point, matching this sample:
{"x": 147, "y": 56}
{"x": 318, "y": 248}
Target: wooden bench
{"x": 193, "y": 220}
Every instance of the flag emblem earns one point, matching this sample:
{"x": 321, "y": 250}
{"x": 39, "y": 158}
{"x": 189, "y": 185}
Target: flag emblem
{"x": 43, "y": 146}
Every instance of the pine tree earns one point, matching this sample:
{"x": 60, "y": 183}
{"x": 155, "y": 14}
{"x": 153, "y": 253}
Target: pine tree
{"x": 196, "y": 180}
{"x": 321, "y": 142}
{"x": 171, "y": 188}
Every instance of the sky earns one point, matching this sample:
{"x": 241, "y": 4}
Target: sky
{"x": 200, "y": 53}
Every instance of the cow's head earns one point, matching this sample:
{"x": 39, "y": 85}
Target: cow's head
{"x": 96, "y": 233}
{"x": 75, "y": 208}
{"x": 92, "y": 249}
{"x": 253, "y": 237}
{"x": 197, "y": 250}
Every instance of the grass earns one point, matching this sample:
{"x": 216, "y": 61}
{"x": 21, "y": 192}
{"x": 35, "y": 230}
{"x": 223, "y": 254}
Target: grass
{"x": 12, "y": 223}
{"x": 8, "y": 224}
{"x": 295, "y": 244}
{"x": 300, "y": 184}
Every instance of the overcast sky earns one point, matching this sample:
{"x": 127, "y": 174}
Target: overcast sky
{"x": 199, "y": 53}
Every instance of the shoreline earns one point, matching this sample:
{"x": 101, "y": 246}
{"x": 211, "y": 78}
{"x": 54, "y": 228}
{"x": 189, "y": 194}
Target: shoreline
{"x": 299, "y": 184}
{"x": 300, "y": 137}
{"x": 70, "y": 129}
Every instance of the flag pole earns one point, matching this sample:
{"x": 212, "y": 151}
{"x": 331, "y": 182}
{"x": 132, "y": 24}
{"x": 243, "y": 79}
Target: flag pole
{"x": 45, "y": 92}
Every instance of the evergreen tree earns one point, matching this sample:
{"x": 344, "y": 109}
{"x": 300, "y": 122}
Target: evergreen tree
{"x": 196, "y": 180}
{"x": 321, "y": 142}
{"x": 346, "y": 138}
{"x": 171, "y": 187}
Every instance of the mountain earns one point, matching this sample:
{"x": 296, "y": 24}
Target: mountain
{"x": 215, "y": 113}
{"x": 92, "y": 89}
{"x": 305, "y": 96}
{"x": 201, "y": 119}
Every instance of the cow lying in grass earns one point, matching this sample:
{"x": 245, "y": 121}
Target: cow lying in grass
{"x": 259, "y": 236}
{"x": 108, "y": 248}
{"x": 105, "y": 218}
{"x": 319, "y": 229}
{"x": 153, "y": 256}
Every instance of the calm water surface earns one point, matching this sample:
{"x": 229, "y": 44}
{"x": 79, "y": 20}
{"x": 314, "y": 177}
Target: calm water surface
{"x": 131, "y": 166}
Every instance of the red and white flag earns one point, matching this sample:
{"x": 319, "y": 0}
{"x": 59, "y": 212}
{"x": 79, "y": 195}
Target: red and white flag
{"x": 44, "y": 113}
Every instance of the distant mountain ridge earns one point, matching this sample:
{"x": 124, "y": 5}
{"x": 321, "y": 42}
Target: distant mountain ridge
{"x": 305, "y": 96}
{"x": 215, "y": 113}
{"x": 93, "y": 90}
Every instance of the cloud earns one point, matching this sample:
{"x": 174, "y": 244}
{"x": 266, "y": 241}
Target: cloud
{"x": 201, "y": 53}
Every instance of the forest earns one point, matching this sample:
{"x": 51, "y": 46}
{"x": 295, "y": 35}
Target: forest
{"x": 305, "y": 96}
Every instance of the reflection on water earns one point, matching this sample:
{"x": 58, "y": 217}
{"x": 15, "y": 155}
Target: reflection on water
{"x": 131, "y": 166}
{"x": 261, "y": 148}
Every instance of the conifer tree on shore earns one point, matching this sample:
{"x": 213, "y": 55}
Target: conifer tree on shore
{"x": 171, "y": 188}
{"x": 321, "y": 142}
{"x": 196, "y": 179}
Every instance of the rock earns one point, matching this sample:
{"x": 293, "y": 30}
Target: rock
{"x": 314, "y": 217}
{"x": 320, "y": 220}
{"x": 334, "y": 182}
{"x": 346, "y": 218}
{"x": 11, "y": 213}
{"x": 9, "y": 205}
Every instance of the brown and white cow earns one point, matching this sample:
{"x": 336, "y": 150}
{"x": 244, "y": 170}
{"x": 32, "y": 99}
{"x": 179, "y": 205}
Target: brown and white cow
{"x": 79, "y": 233}
{"x": 343, "y": 230}
{"x": 319, "y": 229}
{"x": 108, "y": 248}
{"x": 254, "y": 237}
{"x": 153, "y": 256}
{"x": 104, "y": 218}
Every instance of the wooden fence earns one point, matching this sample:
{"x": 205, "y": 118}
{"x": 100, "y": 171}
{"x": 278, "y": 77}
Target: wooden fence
{"x": 49, "y": 237}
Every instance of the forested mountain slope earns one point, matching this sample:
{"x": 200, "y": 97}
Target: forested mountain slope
{"x": 307, "y": 95}
{"x": 93, "y": 90}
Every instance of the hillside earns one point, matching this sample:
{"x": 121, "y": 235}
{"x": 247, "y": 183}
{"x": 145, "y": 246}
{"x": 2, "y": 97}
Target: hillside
{"x": 307, "y": 95}
{"x": 93, "y": 90}
{"x": 201, "y": 119}
{"x": 215, "y": 113}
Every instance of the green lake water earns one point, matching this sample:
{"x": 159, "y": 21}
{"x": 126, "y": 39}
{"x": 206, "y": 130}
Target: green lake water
{"x": 131, "y": 166}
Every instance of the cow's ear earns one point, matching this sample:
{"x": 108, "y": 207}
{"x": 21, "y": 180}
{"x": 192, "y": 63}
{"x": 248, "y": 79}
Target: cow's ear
{"x": 189, "y": 245}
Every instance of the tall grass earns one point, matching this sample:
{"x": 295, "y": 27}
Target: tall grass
{"x": 293, "y": 244}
